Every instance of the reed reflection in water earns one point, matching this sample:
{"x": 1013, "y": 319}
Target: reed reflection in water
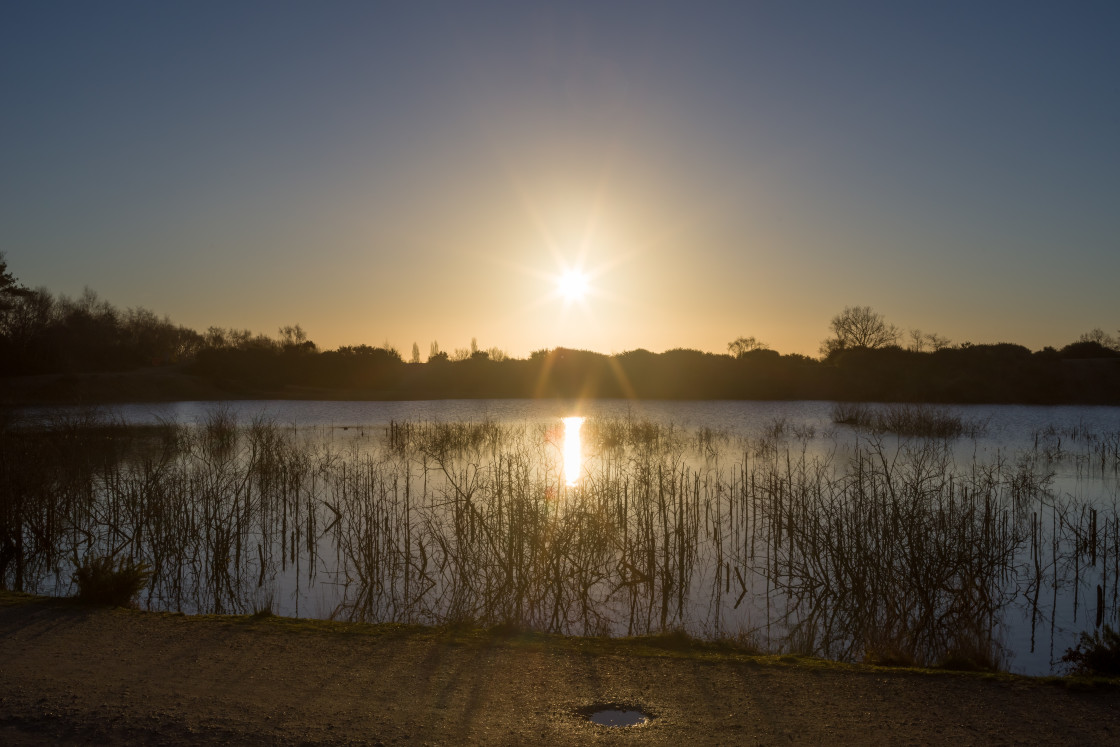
{"x": 573, "y": 450}
{"x": 849, "y": 544}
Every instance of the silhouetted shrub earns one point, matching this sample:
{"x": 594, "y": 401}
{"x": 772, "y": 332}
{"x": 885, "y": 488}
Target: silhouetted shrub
{"x": 1095, "y": 654}
{"x": 102, "y": 581}
{"x": 1088, "y": 349}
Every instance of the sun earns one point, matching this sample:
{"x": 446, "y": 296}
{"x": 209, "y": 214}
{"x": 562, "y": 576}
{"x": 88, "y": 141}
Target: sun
{"x": 572, "y": 285}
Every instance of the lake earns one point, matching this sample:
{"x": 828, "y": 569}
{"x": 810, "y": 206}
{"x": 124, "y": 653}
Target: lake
{"x": 1006, "y": 422}
{"x": 728, "y": 519}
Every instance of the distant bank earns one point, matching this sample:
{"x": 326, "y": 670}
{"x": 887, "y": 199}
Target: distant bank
{"x": 983, "y": 375}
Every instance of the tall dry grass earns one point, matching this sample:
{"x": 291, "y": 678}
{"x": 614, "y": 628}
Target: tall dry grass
{"x": 885, "y": 551}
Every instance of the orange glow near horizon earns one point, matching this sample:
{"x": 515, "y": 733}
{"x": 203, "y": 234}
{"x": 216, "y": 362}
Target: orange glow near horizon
{"x": 573, "y": 450}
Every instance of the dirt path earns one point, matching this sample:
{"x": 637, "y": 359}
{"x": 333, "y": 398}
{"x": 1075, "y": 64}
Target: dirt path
{"x": 72, "y": 674}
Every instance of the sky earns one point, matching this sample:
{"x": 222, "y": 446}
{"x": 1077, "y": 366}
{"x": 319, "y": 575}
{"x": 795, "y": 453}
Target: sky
{"x": 425, "y": 171}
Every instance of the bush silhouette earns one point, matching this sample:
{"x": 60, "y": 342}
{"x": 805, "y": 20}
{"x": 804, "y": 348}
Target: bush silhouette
{"x": 1096, "y": 654}
{"x": 102, "y": 581}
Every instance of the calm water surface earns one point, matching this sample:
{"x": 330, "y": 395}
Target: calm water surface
{"x": 1007, "y": 424}
{"x": 1009, "y": 432}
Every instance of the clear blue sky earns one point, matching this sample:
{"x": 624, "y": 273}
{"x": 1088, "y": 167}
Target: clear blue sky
{"x": 422, "y": 171}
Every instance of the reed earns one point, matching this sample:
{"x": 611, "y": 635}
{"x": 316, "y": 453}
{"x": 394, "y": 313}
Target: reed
{"x": 886, "y": 551}
{"x": 920, "y": 420}
{"x": 1086, "y": 449}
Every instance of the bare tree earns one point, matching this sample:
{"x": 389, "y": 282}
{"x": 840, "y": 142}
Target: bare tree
{"x": 1100, "y": 337}
{"x": 292, "y": 336}
{"x": 29, "y": 316}
{"x": 920, "y": 340}
{"x": 739, "y": 347}
{"x": 859, "y": 327}
{"x": 937, "y": 342}
{"x": 415, "y": 353}
{"x": 435, "y": 355}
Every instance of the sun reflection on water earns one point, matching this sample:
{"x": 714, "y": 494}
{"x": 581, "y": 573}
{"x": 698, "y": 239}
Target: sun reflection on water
{"x": 573, "y": 452}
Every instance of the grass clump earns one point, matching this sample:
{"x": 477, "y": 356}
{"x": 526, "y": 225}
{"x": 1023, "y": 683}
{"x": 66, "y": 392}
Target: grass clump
{"x": 906, "y": 420}
{"x": 669, "y": 640}
{"x": 1096, "y": 654}
{"x": 263, "y": 609}
{"x": 104, "y": 581}
{"x": 974, "y": 653}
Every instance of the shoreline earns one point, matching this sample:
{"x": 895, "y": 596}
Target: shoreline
{"x": 175, "y": 384}
{"x": 73, "y": 673}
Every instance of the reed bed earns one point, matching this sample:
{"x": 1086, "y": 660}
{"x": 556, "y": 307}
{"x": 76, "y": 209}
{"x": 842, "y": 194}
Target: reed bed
{"x": 1087, "y": 449}
{"x": 879, "y": 551}
{"x": 927, "y": 421}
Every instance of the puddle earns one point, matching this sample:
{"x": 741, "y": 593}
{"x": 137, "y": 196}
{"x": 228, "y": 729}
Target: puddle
{"x": 615, "y": 715}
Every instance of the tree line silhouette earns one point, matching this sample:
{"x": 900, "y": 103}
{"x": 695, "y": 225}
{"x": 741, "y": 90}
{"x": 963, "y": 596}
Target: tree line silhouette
{"x": 862, "y": 360}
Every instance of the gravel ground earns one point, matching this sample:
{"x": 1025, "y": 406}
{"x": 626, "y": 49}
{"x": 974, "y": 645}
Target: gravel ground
{"x": 71, "y": 674}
